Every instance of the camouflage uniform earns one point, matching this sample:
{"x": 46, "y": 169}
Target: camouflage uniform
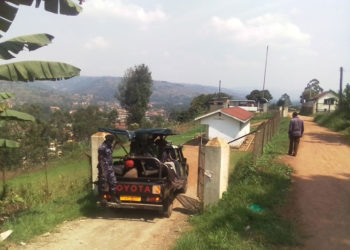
{"x": 106, "y": 174}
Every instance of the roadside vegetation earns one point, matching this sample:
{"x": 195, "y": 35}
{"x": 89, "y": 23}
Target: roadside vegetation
{"x": 247, "y": 216}
{"x": 338, "y": 121}
{"x": 34, "y": 203}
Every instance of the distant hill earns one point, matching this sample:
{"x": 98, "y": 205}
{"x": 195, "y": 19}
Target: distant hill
{"x": 103, "y": 89}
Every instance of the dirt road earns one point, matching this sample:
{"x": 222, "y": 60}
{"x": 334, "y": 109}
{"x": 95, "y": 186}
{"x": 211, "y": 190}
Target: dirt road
{"x": 118, "y": 229}
{"x": 320, "y": 199}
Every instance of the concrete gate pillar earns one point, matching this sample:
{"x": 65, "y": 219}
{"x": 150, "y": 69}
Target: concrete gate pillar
{"x": 96, "y": 141}
{"x": 216, "y": 165}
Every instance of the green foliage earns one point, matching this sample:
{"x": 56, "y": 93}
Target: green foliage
{"x": 345, "y": 105}
{"x": 259, "y": 117}
{"x": 199, "y": 105}
{"x": 259, "y": 95}
{"x": 284, "y": 101}
{"x": 9, "y": 115}
{"x": 312, "y": 89}
{"x": 188, "y": 135}
{"x": 87, "y": 121}
{"x": 37, "y": 70}
{"x": 9, "y": 11}
{"x": 34, "y": 208}
{"x": 338, "y": 121}
{"x": 15, "y": 45}
{"x": 231, "y": 224}
{"x": 135, "y": 91}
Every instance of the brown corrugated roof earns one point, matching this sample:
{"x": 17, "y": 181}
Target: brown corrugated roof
{"x": 234, "y": 112}
{"x": 238, "y": 113}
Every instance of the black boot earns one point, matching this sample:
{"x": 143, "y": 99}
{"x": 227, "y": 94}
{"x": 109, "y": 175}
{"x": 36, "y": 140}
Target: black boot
{"x": 115, "y": 198}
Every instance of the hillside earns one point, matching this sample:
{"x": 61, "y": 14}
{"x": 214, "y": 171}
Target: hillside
{"x": 64, "y": 93}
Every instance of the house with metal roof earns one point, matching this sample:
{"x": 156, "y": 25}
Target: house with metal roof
{"x": 324, "y": 102}
{"x": 228, "y": 124}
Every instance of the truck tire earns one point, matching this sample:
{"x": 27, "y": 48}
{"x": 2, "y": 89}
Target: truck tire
{"x": 184, "y": 189}
{"x": 167, "y": 209}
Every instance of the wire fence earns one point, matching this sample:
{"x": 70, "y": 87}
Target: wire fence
{"x": 264, "y": 133}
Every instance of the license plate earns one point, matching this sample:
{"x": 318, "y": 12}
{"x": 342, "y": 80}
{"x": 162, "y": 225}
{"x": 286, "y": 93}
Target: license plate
{"x": 130, "y": 198}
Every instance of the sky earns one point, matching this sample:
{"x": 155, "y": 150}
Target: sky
{"x": 202, "y": 41}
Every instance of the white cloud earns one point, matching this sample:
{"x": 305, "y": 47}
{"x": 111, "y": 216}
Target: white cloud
{"x": 267, "y": 29}
{"x": 118, "y": 9}
{"x": 98, "y": 42}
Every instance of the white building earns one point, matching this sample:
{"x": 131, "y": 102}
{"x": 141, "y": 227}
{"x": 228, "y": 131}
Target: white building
{"x": 227, "y": 123}
{"x": 248, "y": 105}
{"x": 324, "y": 102}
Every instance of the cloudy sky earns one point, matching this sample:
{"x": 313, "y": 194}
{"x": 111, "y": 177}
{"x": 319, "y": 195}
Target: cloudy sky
{"x": 202, "y": 41}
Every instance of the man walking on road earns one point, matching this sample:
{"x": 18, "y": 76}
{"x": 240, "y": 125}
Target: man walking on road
{"x": 296, "y": 130}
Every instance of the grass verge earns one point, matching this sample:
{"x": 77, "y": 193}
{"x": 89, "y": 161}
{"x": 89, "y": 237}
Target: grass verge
{"x": 246, "y": 217}
{"x": 45, "y": 204}
{"x": 338, "y": 121}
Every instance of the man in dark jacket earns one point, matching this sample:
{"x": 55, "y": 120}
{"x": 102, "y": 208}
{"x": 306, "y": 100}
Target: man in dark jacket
{"x": 106, "y": 175}
{"x": 296, "y": 130}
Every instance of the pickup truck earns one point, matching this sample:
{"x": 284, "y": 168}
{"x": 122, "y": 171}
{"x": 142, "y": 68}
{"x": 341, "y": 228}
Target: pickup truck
{"x": 146, "y": 178}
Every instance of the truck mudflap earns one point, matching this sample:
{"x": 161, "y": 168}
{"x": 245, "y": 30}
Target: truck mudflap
{"x": 130, "y": 205}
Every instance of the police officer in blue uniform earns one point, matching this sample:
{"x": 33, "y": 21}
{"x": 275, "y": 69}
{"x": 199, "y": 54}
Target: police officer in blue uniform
{"x": 106, "y": 176}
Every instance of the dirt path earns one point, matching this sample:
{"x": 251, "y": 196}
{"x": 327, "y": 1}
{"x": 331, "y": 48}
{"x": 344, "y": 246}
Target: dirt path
{"x": 320, "y": 199}
{"x": 123, "y": 229}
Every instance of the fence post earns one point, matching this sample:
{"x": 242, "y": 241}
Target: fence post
{"x": 216, "y": 163}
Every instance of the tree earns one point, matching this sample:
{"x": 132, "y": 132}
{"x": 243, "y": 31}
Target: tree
{"x": 10, "y": 115}
{"x": 346, "y": 99}
{"x": 312, "y": 89}
{"x": 284, "y": 101}
{"x": 87, "y": 121}
{"x": 260, "y": 96}
{"x": 201, "y": 104}
{"x": 135, "y": 91}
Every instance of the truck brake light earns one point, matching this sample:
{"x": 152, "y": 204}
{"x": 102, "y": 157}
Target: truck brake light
{"x": 153, "y": 199}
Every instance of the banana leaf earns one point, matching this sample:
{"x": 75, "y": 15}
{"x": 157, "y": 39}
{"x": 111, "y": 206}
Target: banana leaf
{"x": 31, "y": 42}
{"x": 10, "y": 114}
{"x": 8, "y": 11}
{"x": 5, "y": 95}
{"x": 4, "y": 143}
{"x": 29, "y": 71}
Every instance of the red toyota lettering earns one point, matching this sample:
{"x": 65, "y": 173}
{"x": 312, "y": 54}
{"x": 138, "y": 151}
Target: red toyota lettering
{"x": 147, "y": 189}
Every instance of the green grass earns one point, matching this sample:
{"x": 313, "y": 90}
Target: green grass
{"x": 231, "y": 224}
{"x": 259, "y": 117}
{"x": 337, "y": 121}
{"x": 188, "y": 135}
{"x": 66, "y": 197}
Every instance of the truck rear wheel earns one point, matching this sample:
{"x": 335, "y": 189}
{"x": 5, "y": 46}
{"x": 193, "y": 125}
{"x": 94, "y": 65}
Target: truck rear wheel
{"x": 167, "y": 209}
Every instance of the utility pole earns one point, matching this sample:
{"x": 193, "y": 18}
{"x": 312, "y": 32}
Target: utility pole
{"x": 219, "y": 88}
{"x": 341, "y": 87}
{"x": 267, "y": 51}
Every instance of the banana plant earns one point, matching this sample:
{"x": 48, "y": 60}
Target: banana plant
{"x": 10, "y": 115}
{"x": 27, "y": 71}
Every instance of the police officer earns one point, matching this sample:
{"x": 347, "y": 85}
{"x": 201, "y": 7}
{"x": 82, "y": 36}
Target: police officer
{"x": 106, "y": 175}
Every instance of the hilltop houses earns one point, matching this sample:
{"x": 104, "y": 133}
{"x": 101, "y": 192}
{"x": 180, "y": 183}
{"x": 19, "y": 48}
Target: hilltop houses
{"x": 225, "y": 102}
